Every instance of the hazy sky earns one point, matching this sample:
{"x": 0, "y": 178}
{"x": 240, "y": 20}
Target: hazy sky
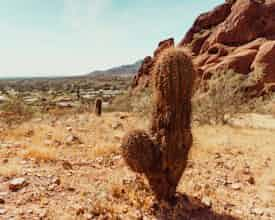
{"x": 67, "y": 37}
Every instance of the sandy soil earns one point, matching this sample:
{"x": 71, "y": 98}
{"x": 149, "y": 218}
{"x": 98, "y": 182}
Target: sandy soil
{"x": 72, "y": 169}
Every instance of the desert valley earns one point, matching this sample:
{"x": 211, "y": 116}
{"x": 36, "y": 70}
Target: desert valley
{"x": 185, "y": 134}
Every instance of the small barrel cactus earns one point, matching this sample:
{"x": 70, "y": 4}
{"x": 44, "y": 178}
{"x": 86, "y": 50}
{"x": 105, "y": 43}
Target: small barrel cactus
{"x": 98, "y": 107}
{"x": 162, "y": 153}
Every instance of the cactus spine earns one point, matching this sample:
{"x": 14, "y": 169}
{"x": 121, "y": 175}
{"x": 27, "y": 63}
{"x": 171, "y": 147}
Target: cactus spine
{"x": 162, "y": 154}
{"x": 98, "y": 107}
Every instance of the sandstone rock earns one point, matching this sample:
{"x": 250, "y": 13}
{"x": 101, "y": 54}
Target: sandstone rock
{"x": 165, "y": 44}
{"x": 56, "y": 181}
{"x": 67, "y": 165}
{"x": 238, "y": 34}
{"x": 72, "y": 139}
{"x": 42, "y": 214}
{"x": 17, "y": 184}
{"x": 3, "y": 211}
{"x": 88, "y": 216}
{"x": 247, "y": 21}
{"x": 239, "y": 62}
{"x": 142, "y": 78}
{"x": 265, "y": 61}
{"x": 207, "y": 20}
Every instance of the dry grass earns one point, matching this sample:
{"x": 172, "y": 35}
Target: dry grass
{"x": 41, "y": 154}
{"x": 17, "y": 111}
{"x": 10, "y": 170}
{"x": 103, "y": 151}
{"x": 106, "y": 188}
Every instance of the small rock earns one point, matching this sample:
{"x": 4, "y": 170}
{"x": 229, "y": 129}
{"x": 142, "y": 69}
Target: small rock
{"x": 3, "y": 194}
{"x": 257, "y": 211}
{"x": 42, "y": 214}
{"x": 23, "y": 162}
{"x": 251, "y": 180}
{"x": 3, "y": 211}
{"x": 117, "y": 126}
{"x": 56, "y": 181}
{"x": 71, "y": 139}
{"x": 2, "y": 201}
{"x": 238, "y": 212}
{"x": 17, "y": 184}
{"x": 51, "y": 187}
{"x": 88, "y": 216}
{"x": 48, "y": 142}
{"x": 123, "y": 117}
{"x": 236, "y": 186}
{"x": 80, "y": 211}
{"x": 206, "y": 201}
{"x": 71, "y": 189}
{"x": 217, "y": 156}
{"x": 67, "y": 165}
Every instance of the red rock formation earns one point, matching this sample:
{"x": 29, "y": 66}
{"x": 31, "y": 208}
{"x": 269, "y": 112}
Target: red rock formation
{"x": 142, "y": 79}
{"x": 238, "y": 35}
{"x": 206, "y": 21}
{"x": 265, "y": 61}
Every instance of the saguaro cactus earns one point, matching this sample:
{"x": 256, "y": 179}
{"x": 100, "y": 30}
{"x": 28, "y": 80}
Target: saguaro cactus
{"x": 98, "y": 107}
{"x": 162, "y": 154}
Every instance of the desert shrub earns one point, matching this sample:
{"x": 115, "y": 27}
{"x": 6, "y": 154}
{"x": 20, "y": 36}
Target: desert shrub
{"x": 17, "y": 110}
{"x": 219, "y": 98}
{"x": 140, "y": 103}
{"x": 264, "y": 104}
{"x": 120, "y": 103}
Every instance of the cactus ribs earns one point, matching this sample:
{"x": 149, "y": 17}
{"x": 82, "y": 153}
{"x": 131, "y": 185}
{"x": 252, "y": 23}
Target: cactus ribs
{"x": 161, "y": 154}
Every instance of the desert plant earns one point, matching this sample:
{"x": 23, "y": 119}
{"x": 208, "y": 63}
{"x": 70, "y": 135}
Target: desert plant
{"x": 141, "y": 102}
{"x": 121, "y": 103}
{"x": 17, "y": 109}
{"x": 219, "y": 98}
{"x": 162, "y": 153}
{"x": 98, "y": 107}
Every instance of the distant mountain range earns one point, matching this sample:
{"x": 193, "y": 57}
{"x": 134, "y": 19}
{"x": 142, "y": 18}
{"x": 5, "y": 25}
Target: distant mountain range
{"x": 124, "y": 70}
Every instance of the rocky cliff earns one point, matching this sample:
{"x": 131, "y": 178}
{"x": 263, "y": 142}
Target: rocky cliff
{"x": 237, "y": 35}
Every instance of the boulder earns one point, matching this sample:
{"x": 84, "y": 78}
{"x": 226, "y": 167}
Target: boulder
{"x": 265, "y": 62}
{"x": 239, "y": 62}
{"x": 248, "y": 20}
{"x": 17, "y": 184}
{"x": 206, "y": 21}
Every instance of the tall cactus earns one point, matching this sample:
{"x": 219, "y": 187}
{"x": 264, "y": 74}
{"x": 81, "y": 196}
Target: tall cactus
{"x": 162, "y": 154}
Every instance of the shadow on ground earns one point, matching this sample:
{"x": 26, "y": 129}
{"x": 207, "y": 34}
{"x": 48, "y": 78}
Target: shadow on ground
{"x": 188, "y": 208}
